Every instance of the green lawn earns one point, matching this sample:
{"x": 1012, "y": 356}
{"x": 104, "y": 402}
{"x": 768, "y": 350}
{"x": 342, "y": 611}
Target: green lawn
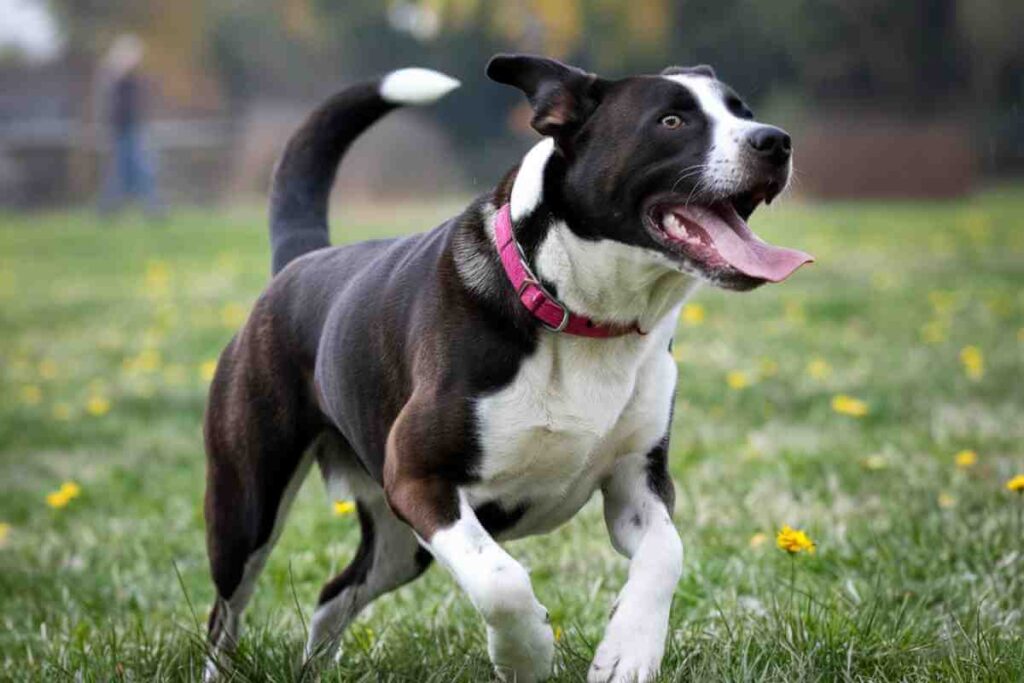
{"x": 107, "y": 332}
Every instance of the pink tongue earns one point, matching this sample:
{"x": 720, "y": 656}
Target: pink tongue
{"x": 739, "y": 246}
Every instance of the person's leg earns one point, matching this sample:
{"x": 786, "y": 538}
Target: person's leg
{"x": 115, "y": 184}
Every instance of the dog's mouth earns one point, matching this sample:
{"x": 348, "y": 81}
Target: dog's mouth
{"x": 715, "y": 238}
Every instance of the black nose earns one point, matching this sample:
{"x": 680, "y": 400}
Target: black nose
{"x": 771, "y": 144}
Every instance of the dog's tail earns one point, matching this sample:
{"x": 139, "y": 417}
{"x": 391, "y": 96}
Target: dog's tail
{"x": 305, "y": 173}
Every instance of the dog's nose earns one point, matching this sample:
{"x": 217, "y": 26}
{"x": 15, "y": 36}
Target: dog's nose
{"x": 771, "y": 144}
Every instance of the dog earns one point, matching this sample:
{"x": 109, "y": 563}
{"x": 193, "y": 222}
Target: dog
{"x": 481, "y": 381}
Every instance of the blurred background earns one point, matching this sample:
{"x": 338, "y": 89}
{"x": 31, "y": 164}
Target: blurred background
{"x": 919, "y": 98}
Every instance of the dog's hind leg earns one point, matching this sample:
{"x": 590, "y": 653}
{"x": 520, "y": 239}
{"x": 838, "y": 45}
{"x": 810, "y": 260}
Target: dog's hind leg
{"x": 257, "y": 440}
{"x": 389, "y": 555}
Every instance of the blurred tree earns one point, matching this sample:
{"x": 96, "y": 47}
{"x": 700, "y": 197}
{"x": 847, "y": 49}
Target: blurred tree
{"x": 174, "y": 35}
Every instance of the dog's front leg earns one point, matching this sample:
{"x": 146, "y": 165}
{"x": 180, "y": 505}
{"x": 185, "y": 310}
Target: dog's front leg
{"x": 640, "y": 523}
{"x": 519, "y": 637}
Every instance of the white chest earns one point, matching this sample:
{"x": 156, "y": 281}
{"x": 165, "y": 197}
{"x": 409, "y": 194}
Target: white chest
{"x": 549, "y": 438}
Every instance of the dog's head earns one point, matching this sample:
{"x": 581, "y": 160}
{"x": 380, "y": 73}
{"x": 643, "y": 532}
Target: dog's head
{"x": 673, "y": 163}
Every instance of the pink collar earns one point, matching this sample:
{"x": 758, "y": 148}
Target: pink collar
{"x": 551, "y": 312}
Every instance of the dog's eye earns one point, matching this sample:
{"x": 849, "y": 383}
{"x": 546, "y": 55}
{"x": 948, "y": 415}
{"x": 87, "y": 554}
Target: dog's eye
{"x": 671, "y": 121}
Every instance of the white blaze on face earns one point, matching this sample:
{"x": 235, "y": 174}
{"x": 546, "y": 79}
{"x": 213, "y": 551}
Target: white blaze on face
{"x": 726, "y": 170}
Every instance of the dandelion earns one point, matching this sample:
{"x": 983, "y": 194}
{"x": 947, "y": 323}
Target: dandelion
{"x": 232, "y": 315}
{"x": 5, "y": 532}
{"x": 693, "y": 314}
{"x": 558, "y": 633}
{"x": 1016, "y": 484}
{"x": 343, "y": 508}
{"x": 757, "y": 540}
{"x": 737, "y": 380}
{"x": 819, "y": 368}
{"x": 848, "y": 405}
{"x": 67, "y": 492}
{"x": 973, "y": 361}
{"x": 31, "y": 395}
{"x": 207, "y": 369}
{"x": 97, "y": 405}
{"x": 946, "y": 501}
{"x": 966, "y": 459}
{"x": 794, "y": 541}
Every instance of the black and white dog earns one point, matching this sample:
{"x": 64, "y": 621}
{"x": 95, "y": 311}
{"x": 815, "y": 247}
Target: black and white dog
{"x": 482, "y": 380}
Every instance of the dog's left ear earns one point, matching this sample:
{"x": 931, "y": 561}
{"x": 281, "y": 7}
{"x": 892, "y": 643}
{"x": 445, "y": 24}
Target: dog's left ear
{"x": 562, "y": 96}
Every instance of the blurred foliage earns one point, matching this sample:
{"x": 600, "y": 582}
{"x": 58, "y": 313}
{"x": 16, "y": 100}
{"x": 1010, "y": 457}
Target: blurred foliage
{"x": 926, "y": 58}
{"x": 918, "y": 54}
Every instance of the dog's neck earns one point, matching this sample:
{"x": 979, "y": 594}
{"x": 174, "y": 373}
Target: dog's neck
{"x": 605, "y": 280}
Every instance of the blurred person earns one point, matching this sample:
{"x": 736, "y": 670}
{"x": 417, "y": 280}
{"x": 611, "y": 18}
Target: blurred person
{"x": 123, "y": 94}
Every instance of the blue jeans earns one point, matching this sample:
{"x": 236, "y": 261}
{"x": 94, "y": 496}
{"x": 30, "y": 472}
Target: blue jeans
{"x": 130, "y": 174}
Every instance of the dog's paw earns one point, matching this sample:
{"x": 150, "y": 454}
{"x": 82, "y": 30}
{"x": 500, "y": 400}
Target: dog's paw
{"x": 631, "y": 650}
{"x": 523, "y": 653}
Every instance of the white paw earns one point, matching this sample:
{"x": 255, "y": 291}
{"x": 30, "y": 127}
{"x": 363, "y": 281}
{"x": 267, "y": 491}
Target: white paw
{"x": 632, "y": 647}
{"x": 522, "y": 652}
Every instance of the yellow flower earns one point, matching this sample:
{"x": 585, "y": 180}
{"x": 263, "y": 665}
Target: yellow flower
{"x": 875, "y": 462}
{"x": 819, "y": 368}
{"x": 67, "y": 492}
{"x": 97, "y": 405}
{"x": 693, "y": 314}
{"x": 57, "y": 499}
{"x": 1016, "y": 484}
{"x": 794, "y": 541}
{"x": 973, "y": 361}
{"x": 966, "y": 458}
{"x": 47, "y": 369}
{"x": 31, "y": 395}
{"x": 946, "y": 501}
{"x": 232, "y": 315}
{"x": 558, "y": 633}
{"x": 758, "y": 539}
{"x": 61, "y": 411}
{"x": 207, "y": 369}
{"x": 737, "y": 380}
{"x": 848, "y": 405}
{"x": 344, "y": 507}
{"x": 5, "y": 531}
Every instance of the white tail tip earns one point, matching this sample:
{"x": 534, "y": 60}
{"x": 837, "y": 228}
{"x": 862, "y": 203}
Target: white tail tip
{"x": 416, "y": 86}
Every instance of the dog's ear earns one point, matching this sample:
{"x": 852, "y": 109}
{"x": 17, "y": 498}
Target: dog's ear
{"x": 699, "y": 70}
{"x": 562, "y": 96}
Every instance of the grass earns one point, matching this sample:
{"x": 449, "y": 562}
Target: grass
{"x": 919, "y": 571}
